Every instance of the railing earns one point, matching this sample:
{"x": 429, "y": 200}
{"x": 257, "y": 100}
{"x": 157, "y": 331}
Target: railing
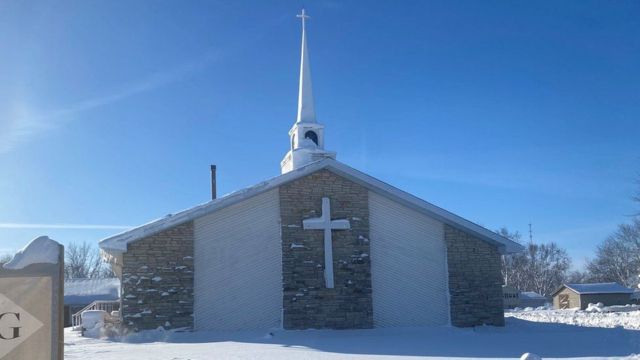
{"x": 105, "y": 305}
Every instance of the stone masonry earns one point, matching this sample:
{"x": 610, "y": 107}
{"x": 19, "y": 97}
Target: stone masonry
{"x": 475, "y": 281}
{"x": 307, "y": 302}
{"x": 157, "y": 280}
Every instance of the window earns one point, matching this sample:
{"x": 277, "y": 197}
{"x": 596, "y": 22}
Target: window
{"x": 311, "y": 135}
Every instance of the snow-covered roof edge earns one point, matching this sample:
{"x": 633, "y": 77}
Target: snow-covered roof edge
{"x": 118, "y": 243}
{"x": 85, "y": 291}
{"x": 596, "y": 288}
{"x": 531, "y": 295}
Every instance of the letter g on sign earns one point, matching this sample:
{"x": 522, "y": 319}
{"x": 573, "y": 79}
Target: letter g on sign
{"x": 16, "y": 329}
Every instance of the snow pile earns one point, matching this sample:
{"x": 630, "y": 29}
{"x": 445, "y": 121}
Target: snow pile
{"x": 39, "y": 250}
{"x": 93, "y": 319}
{"x": 622, "y": 308}
{"x": 596, "y": 315}
{"x": 530, "y": 356}
{"x": 599, "y": 307}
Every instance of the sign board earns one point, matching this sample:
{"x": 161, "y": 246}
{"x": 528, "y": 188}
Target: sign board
{"x": 31, "y": 311}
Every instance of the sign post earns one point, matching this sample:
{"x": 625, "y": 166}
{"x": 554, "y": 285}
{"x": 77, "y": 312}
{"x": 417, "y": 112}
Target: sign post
{"x": 32, "y": 303}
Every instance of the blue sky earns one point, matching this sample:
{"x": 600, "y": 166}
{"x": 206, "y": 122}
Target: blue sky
{"x": 504, "y": 112}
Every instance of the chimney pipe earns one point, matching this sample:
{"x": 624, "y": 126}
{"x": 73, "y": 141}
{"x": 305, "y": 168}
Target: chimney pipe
{"x": 213, "y": 182}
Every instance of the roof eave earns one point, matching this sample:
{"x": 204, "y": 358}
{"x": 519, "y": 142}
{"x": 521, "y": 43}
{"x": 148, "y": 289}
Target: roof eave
{"x": 117, "y": 244}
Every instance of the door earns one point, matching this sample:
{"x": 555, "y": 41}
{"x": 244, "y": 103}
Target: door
{"x": 564, "y": 301}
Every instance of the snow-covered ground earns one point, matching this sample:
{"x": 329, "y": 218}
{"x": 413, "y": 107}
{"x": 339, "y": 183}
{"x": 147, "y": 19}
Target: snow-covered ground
{"x": 627, "y": 317}
{"x": 517, "y": 337}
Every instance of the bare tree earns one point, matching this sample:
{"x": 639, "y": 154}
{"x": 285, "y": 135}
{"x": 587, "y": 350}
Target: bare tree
{"x": 540, "y": 268}
{"x": 548, "y": 265}
{"x": 84, "y": 261}
{"x": 618, "y": 257}
{"x": 578, "y": 277}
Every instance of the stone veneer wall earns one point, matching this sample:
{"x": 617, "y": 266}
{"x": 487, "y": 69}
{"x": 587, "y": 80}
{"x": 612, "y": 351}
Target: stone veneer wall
{"x": 475, "y": 280}
{"x": 307, "y": 302}
{"x": 157, "y": 280}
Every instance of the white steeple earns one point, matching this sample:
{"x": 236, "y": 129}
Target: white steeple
{"x": 307, "y": 135}
{"x": 306, "y": 109}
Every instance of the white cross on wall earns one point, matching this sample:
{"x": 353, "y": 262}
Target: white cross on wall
{"x": 325, "y": 223}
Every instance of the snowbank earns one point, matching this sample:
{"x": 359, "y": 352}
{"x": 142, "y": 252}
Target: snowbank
{"x": 599, "y": 307}
{"x": 596, "y": 315}
{"x": 39, "y": 250}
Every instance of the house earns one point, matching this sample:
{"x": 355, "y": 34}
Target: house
{"x": 322, "y": 245}
{"x": 532, "y": 299}
{"x": 580, "y": 296}
{"x": 79, "y": 293}
{"x": 510, "y": 296}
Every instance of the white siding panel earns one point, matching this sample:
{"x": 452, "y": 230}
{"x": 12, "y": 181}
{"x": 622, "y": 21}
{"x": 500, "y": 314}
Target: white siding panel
{"x": 238, "y": 266}
{"x": 408, "y": 266}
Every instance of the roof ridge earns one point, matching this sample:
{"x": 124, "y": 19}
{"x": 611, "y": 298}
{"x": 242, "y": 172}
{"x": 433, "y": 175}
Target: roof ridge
{"x": 118, "y": 243}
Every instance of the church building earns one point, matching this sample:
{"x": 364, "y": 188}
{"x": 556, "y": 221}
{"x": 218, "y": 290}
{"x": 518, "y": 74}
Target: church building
{"x": 322, "y": 245}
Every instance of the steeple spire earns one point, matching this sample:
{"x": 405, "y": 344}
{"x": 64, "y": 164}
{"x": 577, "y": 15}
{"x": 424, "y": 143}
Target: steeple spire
{"x": 307, "y": 134}
{"x": 306, "y": 109}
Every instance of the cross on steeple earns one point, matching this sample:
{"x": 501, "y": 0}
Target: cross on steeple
{"x": 304, "y": 17}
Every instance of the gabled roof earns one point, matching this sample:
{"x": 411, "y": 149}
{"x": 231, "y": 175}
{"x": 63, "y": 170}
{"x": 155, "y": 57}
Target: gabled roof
{"x": 596, "y": 288}
{"x": 86, "y": 291}
{"x": 118, "y": 243}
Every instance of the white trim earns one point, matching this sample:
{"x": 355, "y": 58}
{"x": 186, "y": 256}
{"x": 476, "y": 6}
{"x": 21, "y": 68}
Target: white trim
{"x": 447, "y": 293}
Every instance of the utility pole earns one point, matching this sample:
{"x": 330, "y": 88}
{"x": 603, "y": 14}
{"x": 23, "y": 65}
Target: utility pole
{"x": 530, "y": 234}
